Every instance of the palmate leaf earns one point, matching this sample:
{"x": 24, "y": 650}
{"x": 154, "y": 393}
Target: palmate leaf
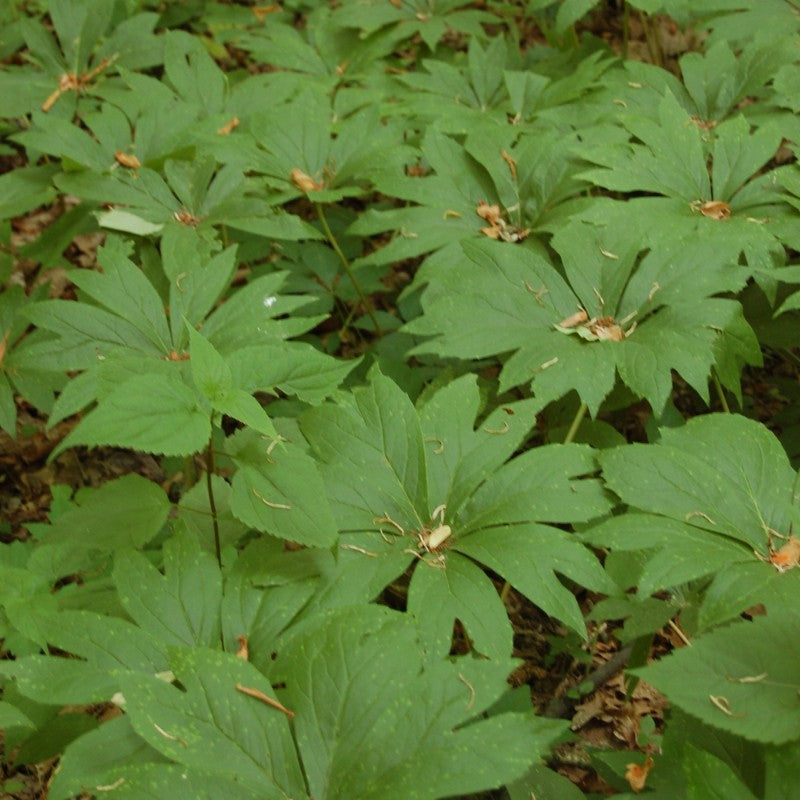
{"x": 338, "y": 159}
{"x": 534, "y": 194}
{"x": 323, "y": 51}
{"x": 374, "y": 722}
{"x": 716, "y": 490}
{"x": 458, "y": 99}
{"x": 743, "y": 678}
{"x": 180, "y": 607}
{"x": 388, "y": 468}
{"x": 211, "y": 726}
{"x": 86, "y": 35}
{"x": 516, "y": 301}
{"x": 278, "y": 489}
{"x": 350, "y": 734}
{"x": 408, "y": 18}
{"x": 732, "y": 203}
{"x": 724, "y": 474}
{"x": 670, "y": 156}
{"x": 154, "y": 413}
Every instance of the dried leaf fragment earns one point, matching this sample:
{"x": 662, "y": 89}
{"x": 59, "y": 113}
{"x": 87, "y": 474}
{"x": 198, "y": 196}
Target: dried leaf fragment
{"x": 304, "y": 182}
{"x": 715, "y": 209}
{"x": 636, "y": 774}
{"x": 723, "y": 704}
{"x": 573, "y": 320}
{"x": 127, "y": 160}
{"x": 512, "y": 164}
{"x": 259, "y": 12}
{"x": 263, "y": 698}
{"x": 228, "y": 126}
{"x": 242, "y": 652}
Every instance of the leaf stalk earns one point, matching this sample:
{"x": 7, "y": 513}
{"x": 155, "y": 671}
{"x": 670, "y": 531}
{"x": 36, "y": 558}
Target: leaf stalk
{"x": 347, "y": 267}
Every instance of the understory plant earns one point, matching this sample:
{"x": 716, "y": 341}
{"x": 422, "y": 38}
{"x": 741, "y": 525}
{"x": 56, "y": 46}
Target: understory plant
{"x": 414, "y": 315}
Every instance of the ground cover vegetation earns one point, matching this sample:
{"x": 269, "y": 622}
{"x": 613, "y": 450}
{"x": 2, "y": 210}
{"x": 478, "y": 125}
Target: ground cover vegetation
{"x": 400, "y": 399}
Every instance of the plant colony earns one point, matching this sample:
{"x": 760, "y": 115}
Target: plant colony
{"x": 391, "y": 273}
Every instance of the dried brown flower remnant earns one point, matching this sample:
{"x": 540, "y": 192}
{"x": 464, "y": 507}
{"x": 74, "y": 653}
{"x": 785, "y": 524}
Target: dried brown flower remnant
{"x": 490, "y": 213}
{"x": 597, "y": 328}
{"x": 186, "y": 218}
{"x": 70, "y": 81}
{"x": 784, "y": 558}
{"x": 606, "y": 329}
{"x": 498, "y": 228}
{"x": 304, "y": 182}
{"x": 127, "y": 160}
{"x": 636, "y": 774}
{"x": 714, "y": 209}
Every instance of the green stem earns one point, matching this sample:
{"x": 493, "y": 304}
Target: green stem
{"x": 651, "y": 37}
{"x": 210, "y": 470}
{"x": 722, "y": 399}
{"x": 347, "y": 268}
{"x": 576, "y": 423}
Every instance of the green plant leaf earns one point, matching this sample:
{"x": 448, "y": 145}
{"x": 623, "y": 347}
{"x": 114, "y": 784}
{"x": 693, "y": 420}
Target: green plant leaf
{"x": 157, "y": 414}
{"x": 465, "y": 595}
{"x": 125, "y": 512}
{"x": 518, "y": 302}
{"x": 110, "y": 646}
{"x": 180, "y": 608}
{"x": 741, "y": 678}
{"x": 708, "y": 777}
{"x": 492, "y": 511}
{"x": 211, "y": 726}
{"x": 277, "y": 488}
{"x": 125, "y": 291}
{"x": 723, "y": 474}
{"x": 210, "y": 372}
{"x": 369, "y": 743}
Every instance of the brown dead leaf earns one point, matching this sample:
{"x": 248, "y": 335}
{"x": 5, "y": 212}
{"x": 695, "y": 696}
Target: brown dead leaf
{"x": 512, "y": 165}
{"x": 715, "y": 209}
{"x": 259, "y": 12}
{"x": 573, "y": 320}
{"x": 250, "y": 692}
{"x": 304, "y": 182}
{"x": 127, "y": 160}
{"x": 636, "y": 774}
{"x": 492, "y": 232}
{"x": 704, "y": 124}
{"x": 228, "y": 126}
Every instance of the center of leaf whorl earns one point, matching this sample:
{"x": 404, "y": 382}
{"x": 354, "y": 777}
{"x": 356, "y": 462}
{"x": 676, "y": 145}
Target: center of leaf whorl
{"x": 596, "y": 329}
